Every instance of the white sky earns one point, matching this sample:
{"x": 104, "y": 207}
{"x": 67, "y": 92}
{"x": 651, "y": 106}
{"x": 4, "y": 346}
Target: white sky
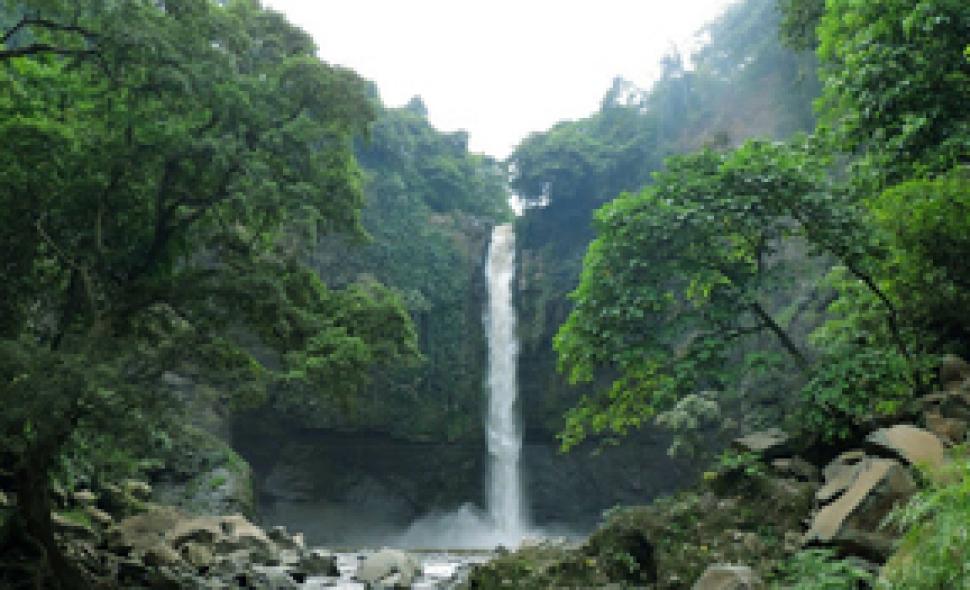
{"x": 499, "y": 68}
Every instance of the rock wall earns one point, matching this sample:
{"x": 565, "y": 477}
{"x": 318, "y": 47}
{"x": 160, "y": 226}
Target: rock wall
{"x": 360, "y": 489}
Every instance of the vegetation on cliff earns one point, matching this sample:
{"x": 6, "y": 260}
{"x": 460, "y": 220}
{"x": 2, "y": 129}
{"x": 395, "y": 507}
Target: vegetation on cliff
{"x": 742, "y": 83}
{"x": 429, "y": 207}
{"x": 671, "y": 292}
{"x": 682, "y": 284}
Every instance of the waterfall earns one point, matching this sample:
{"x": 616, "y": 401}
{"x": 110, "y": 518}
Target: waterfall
{"x": 502, "y": 425}
{"x": 504, "y": 523}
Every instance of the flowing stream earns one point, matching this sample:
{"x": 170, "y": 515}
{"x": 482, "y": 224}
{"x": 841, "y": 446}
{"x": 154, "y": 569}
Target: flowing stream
{"x": 503, "y": 426}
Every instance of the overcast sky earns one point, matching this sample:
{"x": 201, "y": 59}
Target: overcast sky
{"x": 500, "y": 68}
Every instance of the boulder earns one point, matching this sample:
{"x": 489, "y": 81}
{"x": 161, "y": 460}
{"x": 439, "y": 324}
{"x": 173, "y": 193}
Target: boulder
{"x": 239, "y": 533}
{"x": 318, "y": 563}
{"x": 67, "y": 526}
{"x": 377, "y": 566}
{"x": 284, "y": 540}
{"x": 950, "y": 430}
{"x": 913, "y": 445}
{"x": 839, "y": 463}
{"x": 952, "y": 403}
{"x": 271, "y": 579}
{"x": 137, "y": 489}
{"x": 197, "y": 555}
{"x": 953, "y": 369}
{"x": 159, "y": 555}
{"x": 839, "y": 475}
{"x": 148, "y": 529}
{"x": 767, "y": 443}
{"x": 795, "y": 467}
{"x": 853, "y": 520}
{"x": 99, "y": 516}
{"x": 728, "y": 577}
{"x": 84, "y": 497}
{"x": 202, "y": 530}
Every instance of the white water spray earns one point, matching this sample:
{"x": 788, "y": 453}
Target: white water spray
{"x": 503, "y": 429}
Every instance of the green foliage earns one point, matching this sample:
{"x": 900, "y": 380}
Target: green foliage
{"x": 743, "y": 83}
{"x": 861, "y": 378}
{"x": 854, "y": 388}
{"x": 678, "y": 276}
{"x": 163, "y": 164}
{"x": 821, "y": 569}
{"x": 928, "y": 224}
{"x": 745, "y": 463}
{"x": 895, "y": 83}
{"x": 800, "y": 19}
{"x": 675, "y": 287}
{"x": 427, "y": 240}
{"x": 934, "y": 552}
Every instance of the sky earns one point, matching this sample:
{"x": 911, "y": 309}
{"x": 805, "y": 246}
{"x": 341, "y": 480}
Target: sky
{"x": 500, "y": 69}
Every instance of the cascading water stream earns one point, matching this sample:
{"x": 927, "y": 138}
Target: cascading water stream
{"x": 505, "y": 522}
{"x": 502, "y": 425}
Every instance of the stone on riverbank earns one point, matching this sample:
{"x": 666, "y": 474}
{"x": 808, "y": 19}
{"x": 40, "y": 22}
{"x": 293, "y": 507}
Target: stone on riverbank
{"x": 376, "y": 567}
{"x": 853, "y": 520}
{"x": 913, "y": 445}
{"x": 728, "y": 577}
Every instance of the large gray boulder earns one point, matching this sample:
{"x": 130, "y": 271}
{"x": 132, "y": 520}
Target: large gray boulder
{"x": 853, "y": 520}
{"x": 913, "y": 445}
{"x": 169, "y": 536}
{"x": 768, "y": 443}
{"x": 953, "y": 369}
{"x": 839, "y": 475}
{"x": 950, "y": 430}
{"x": 376, "y": 568}
{"x": 728, "y": 577}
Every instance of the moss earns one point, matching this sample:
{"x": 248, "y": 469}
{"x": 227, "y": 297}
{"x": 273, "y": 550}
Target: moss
{"x": 217, "y": 482}
{"x": 77, "y": 516}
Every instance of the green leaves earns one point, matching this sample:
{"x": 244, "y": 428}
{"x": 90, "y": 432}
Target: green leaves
{"x": 151, "y": 192}
{"x": 676, "y": 280}
{"x": 895, "y": 83}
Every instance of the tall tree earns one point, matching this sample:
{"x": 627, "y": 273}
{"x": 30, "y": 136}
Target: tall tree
{"x": 156, "y": 156}
{"x": 678, "y": 277}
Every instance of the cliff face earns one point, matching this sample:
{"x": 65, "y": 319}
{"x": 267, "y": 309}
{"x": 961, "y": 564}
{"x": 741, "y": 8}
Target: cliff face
{"x": 413, "y": 441}
{"x": 362, "y": 489}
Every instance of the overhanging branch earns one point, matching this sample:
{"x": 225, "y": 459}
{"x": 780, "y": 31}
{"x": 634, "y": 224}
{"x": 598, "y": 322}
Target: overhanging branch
{"x": 41, "y": 48}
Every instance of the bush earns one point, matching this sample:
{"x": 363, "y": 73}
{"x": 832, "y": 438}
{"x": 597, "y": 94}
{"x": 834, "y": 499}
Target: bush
{"x": 820, "y": 569}
{"x": 935, "y": 551}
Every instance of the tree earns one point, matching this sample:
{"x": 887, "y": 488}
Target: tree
{"x": 679, "y": 276}
{"x": 799, "y": 21}
{"x": 154, "y": 185}
{"x": 895, "y": 82}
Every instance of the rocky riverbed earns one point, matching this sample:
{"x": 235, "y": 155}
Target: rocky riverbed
{"x": 163, "y": 547}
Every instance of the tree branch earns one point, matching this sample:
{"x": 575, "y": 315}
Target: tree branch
{"x": 39, "y": 48}
{"x": 46, "y": 24}
{"x": 781, "y": 334}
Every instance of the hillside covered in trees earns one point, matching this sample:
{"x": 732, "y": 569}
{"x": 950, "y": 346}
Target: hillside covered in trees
{"x": 232, "y": 275}
{"x": 761, "y": 279}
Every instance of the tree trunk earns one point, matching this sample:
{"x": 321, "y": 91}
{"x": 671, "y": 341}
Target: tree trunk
{"x": 34, "y": 508}
{"x": 787, "y": 343}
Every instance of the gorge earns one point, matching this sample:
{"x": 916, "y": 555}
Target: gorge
{"x": 260, "y": 328}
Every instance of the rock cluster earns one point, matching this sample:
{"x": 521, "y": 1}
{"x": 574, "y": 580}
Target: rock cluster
{"x": 163, "y": 547}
